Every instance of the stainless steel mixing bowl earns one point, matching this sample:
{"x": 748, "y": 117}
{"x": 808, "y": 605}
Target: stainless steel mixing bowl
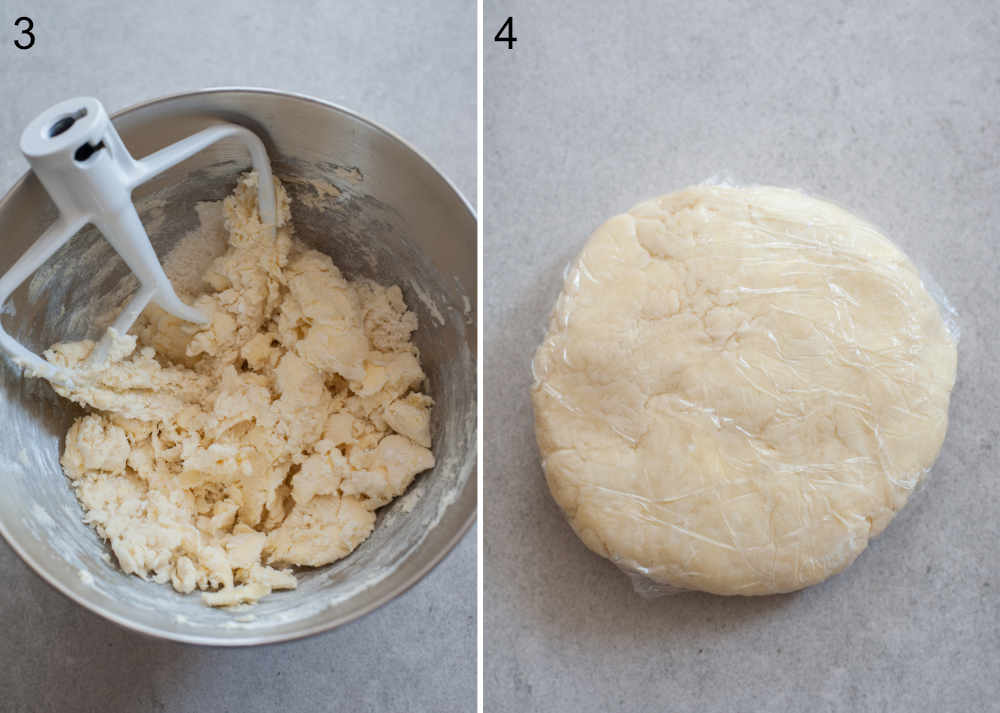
{"x": 360, "y": 194}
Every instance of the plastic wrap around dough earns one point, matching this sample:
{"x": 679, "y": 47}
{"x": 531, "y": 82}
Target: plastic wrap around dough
{"x": 738, "y": 389}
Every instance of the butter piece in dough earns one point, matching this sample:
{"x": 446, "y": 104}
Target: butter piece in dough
{"x": 322, "y": 530}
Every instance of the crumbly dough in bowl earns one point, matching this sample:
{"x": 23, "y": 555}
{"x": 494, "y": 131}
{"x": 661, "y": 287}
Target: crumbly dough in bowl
{"x": 739, "y": 387}
{"x": 214, "y": 457}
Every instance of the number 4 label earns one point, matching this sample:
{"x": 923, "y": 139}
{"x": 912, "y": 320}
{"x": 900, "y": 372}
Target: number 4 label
{"x": 508, "y": 27}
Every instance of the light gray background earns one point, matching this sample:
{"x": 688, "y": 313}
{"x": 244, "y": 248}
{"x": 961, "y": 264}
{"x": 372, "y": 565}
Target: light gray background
{"x": 888, "y": 108}
{"x": 410, "y": 66}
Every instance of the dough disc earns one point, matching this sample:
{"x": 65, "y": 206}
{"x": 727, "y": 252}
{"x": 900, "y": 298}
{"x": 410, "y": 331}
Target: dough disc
{"x": 739, "y": 388}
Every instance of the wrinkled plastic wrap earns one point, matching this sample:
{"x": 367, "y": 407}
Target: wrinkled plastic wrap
{"x": 739, "y": 387}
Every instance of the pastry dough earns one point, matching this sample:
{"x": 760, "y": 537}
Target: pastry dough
{"x": 739, "y": 388}
{"x": 215, "y": 457}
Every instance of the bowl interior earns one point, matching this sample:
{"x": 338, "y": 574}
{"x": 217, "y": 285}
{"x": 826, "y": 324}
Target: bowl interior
{"x": 358, "y": 194}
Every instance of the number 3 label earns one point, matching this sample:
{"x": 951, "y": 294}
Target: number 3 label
{"x": 30, "y": 42}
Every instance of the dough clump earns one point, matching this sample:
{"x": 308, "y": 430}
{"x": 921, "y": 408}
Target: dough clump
{"x": 739, "y": 388}
{"x": 217, "y": 456}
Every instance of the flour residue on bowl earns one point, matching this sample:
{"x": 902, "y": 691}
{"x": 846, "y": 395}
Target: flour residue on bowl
{"x": 312, "y": 192}
{"x": 428, "y": 302}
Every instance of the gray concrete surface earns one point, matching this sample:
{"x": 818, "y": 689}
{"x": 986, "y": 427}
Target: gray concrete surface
{"x": 407, "y": 65}
{"x": 888, "y": 108}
